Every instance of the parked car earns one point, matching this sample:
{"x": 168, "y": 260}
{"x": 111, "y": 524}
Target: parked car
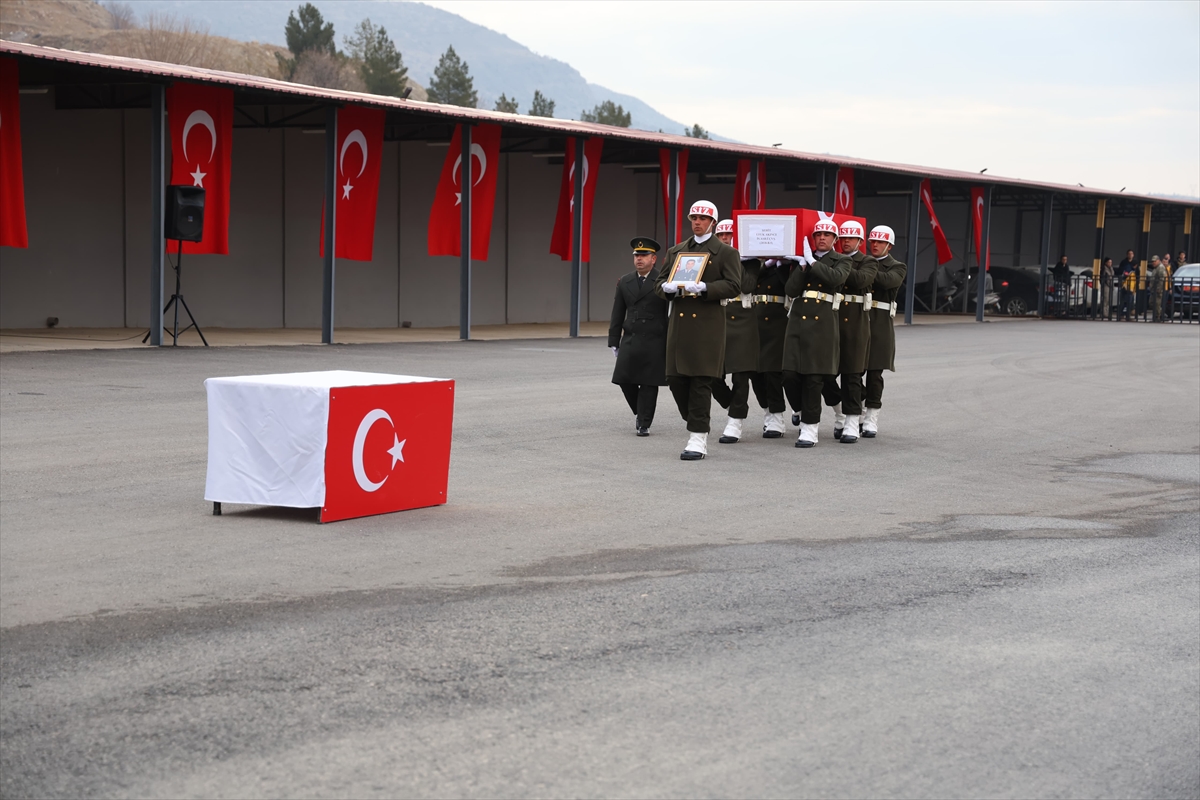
{"x": 1185, "y": 291}
{"x": 1018, "y": 290}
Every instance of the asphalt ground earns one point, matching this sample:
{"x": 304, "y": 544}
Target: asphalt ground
{"x": 998, "y": 597}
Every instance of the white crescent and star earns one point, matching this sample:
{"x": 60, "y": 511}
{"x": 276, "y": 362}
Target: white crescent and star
{"x": 360, "y": 439}
{"x": 571, "y": 177}
{"x": 844, "y": 195}
{"x": 746, "y": 190}
{"x": 200, "y": 117}
{"x": 477, "y": 152}
{"x": 354, "y": 137}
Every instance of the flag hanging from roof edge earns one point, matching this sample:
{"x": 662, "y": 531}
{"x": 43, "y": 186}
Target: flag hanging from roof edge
{"x": 664, "y": 163}
{"x": 843, "y": 198}
{"x": 742, "y": 184}
{"x": 13, "y": 231}
{"x": 359, "y": 161}
{"x": 560, "y": 240}
{"x": 445, "y": 217}
{"x": 939, "y": 236}
{"x": 201, "y": 122}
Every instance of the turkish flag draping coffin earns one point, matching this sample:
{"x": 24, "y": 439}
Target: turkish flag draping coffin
{"x": 806, "y": 218}
{"x": 350, "y": 443}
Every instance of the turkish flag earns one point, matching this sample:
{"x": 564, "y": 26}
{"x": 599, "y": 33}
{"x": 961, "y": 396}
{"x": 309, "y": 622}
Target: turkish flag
{"x": 13, "y": 232}
{"x": 359, "y": 158}
{"x": 388, "y": 448}
{"x": 445, "y": 218}
{"x": 664, "y": 163}
{"x": 843, "y": 195}
{"x": 742, "y": 186}
{"x": 977, "y": 215}
{"x": 939, "y": 235}
{"x": 201, "y": 122}
{"x": 806, "y": 219}
{"x": 560, "y": 240}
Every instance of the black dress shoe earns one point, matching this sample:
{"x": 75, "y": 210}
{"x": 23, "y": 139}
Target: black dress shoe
{"x": 771, "y": 434}
{"x": 868, "y": 434}
{"x": 796, "y": 420}
{"x": 837, "y": 433}
{"x": 690, "y": 455}
{"x": 728, "y": 440}
{"x": 643, "y": 431}
{"x": 848, "y": 439}
{"x": 802, "y": 443}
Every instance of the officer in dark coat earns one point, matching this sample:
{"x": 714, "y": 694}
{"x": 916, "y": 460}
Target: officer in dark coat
{"x": 696, "y": 327}
{"x": 741, "y": 345}
{"x": 811, "y": 348}
{"x": 637, "y": 334}
{"x": 771, "y": 310}
{"x": 889, "y": 275}
{"x": 854, "y": 330}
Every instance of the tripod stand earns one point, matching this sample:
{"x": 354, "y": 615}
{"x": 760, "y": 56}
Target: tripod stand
{"x": 177, "y": 300}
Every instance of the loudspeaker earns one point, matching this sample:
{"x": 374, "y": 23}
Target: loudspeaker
{"x": 185, "y": 213}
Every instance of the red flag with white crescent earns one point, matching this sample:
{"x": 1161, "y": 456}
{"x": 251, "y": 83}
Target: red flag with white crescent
{"x": 201, "y": 122}
{"x": 560, "y": 239}
{"x": 743, "y": 185}
{"x": 843, "y": 198}
{"x": 445, "y": 218}
{"x": 939, "y": 235}
{"x": 359, "y": 159}
{"x": 664, "y": 163}
{"x": 13, "y": 232}
{"x": 977, "y": 218}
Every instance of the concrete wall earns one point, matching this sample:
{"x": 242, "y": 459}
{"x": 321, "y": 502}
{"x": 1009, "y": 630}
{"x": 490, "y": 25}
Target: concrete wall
{"x": 87, "y": 185}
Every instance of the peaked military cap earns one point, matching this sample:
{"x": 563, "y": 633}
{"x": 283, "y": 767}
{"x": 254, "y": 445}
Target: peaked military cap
{"x": 644, "y": 244}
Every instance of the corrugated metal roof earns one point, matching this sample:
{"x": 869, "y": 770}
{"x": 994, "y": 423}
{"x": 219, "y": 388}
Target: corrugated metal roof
{"x": 545, "y": 124}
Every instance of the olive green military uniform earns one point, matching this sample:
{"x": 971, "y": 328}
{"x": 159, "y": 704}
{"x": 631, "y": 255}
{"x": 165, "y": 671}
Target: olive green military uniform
{"x": 696, "y": 328}
{"x": 854, "y": 332}
{"x": 811, "y": 347}
{"x": 769, "y": 292}
{"x": 638, "y": 329}
{"x": 741, "y": 345}
{"x": 889, "y": 276}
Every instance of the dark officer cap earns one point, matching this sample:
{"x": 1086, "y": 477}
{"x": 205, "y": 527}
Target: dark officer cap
{"x": 644, "y": 244}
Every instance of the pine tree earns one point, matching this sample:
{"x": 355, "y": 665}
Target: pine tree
{"x": 696, "y": 132}
{"x": 305, "y": 30}
{"x": 608, "y": 113}
{"x": 381, "y": 68}
{"x": 508, "y": 105}
{"x": 541, "y": 105}
{"x": 451, "y": 83}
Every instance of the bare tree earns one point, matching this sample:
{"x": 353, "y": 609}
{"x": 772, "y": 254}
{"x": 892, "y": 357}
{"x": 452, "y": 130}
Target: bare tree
{"x": 318, "y": 68}
{"x": 123, "y": 16}
{"x": 175, "y": 40}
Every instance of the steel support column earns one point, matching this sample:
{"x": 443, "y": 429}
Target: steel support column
{"x": 577, "y": 233}
{"x": 1187, "y": 233}
{"x": 330, "y": 259}
{"x": 673, "y": 200}
{"x": 158, "y": 197}
{"x": 1144, "y": 244}
{"x": 1044, "y": 267}
{"x": 984, "y": 249}
{"x": 755, "y": 189}
{"x": 1101, "y": 205}
{"x": 914, "y": 232}
{"x": 464, "y": 253}
{"x": 823, "y": 188}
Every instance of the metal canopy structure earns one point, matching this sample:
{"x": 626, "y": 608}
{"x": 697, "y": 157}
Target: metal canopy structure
{"x": 93, "y": 81}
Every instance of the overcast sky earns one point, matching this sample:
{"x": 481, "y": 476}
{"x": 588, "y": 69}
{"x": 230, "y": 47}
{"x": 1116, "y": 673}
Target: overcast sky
{"x": 1105, "y": 94}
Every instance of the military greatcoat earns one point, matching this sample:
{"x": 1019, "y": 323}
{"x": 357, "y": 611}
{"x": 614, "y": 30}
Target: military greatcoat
{"x": 696, "y": 330}
{"x": 854, "y": 325}
{"x": 772, "y": 315}
{"x": 638, "y": 328}
{"x": 811, "y": 346}
{"x": 741, "y": 324}
{"x": 889, "y": 275}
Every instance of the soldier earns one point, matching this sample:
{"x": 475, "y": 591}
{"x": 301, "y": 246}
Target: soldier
{"x": 889, "y": 275}
{"x": 637, "y": 335}
{"x": 810, "y": 348}
{"x": 771, "y": 311}
{"x": 741, "y": 345}
{"x": 854, "y": 333}
{"x": 696, "y": 330}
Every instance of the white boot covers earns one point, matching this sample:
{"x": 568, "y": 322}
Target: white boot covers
{"x": 733, "y": 431}
{"x": 808, "y": 435}
{"x": 870, "y": 423}
{"x": 850, "y": 431}
{"x": 774, "y": 426}
{"x": 697, "y": 447}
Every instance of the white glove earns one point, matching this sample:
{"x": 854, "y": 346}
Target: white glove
{"x": 614, "y": 351}
{"x": 695, "y": 287}
{"x": 670, "y": 287}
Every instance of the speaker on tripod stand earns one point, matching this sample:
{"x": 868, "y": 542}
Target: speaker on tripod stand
{"x": 184, "y": 223}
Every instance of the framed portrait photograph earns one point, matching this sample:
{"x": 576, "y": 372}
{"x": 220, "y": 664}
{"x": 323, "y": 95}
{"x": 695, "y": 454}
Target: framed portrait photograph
{"x": 688, "y": 267}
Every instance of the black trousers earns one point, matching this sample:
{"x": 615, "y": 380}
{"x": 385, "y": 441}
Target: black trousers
{"x": 874, "y": 393}
{"x": 768, "y": 388}
{"x": 693, "y": 396}
{"x": 849, "y": 394}
{"x": 642, "y": 401}
{"x": 804, "y": 394}
{"x": 737, "y": 399}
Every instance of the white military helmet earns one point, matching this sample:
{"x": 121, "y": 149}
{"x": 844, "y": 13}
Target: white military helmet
{"x": 882, "y": 233}
{"x": 703, "y": 208}
{"x": 825, "y": 225}
{"x": 851, "y": 230}
{"x": 724, "y": 226}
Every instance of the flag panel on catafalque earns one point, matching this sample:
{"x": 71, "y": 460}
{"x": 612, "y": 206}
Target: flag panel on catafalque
{"x": 388, "y": 448}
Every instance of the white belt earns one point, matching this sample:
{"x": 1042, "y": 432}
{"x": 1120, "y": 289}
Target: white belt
{"x": 891, "y": 307}
{"x": 769, "y": 298}
{"x": 836, "y": 299}
{"x": 744, "y": 299}
{"x": 865, "y": 299}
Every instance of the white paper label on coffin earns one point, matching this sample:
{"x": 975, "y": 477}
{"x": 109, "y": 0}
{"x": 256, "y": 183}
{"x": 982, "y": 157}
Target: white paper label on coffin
{"x": 765, "y": 235}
